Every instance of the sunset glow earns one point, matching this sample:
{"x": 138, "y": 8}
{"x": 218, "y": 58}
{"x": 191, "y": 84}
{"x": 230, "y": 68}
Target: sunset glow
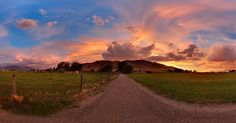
{"x": 189, "y": 34}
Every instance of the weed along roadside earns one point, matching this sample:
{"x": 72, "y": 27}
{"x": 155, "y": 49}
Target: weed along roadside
{"x": 43, "y": 94}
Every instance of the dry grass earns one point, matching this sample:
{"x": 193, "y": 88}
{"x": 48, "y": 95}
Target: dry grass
{"x": 43, "y": 93}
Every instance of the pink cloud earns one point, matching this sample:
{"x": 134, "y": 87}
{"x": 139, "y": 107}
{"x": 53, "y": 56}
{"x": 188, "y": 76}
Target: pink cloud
{"x": 51, "y": 23}
{"x": 3, "y": 32}
{"x": 26, "y": 24}
{"x": 46, "y": 31}
{"x": 99, "y": 21}
{"x": 48, "y": 54}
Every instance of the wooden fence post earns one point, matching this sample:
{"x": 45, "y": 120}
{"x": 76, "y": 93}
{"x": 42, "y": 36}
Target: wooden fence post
{"x": 13, "y": 84}
{"x": 81, "y": 82}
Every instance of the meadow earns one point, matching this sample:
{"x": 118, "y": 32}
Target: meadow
{"x": 192, "y": 87}
{"x": 44, "y": 93}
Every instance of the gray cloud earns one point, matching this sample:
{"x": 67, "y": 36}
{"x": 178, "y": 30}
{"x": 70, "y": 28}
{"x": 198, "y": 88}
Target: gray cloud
{"x": 190, "y": 53}
{"x": 127, "y": 51}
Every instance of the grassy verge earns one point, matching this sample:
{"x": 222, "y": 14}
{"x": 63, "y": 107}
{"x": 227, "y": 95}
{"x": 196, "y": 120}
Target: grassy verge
{"x": 44, "y": 93}
{"x": 192, "y": 87}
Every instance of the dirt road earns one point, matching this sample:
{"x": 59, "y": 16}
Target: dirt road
{"x": 125, "y": 101}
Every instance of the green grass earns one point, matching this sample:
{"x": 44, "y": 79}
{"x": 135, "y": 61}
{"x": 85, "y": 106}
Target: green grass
{"x": 192, "y": 87}
{"x": 44, "y": 93}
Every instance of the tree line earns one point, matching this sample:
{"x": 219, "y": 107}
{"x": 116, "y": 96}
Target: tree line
{"x": 66, "y": 66}
{"x": 122, "y": 67}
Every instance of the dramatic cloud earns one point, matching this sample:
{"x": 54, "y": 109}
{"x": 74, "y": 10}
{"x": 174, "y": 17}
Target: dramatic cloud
{"x": 117, "y": 51}
{"x": 49, "y": 54}
{"x": 190, "y": 53}
{"x": 42, "y": 12}
{"x": 26, "y": 24}
{"x": 191, "y": 34}
{"x": 223, "y": 53}
{"x": 99, "y": 21}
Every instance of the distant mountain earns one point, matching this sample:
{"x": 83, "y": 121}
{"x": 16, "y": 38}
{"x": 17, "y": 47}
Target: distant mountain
{"x": 142, "y": 66}
{"x": 16, "y": 67}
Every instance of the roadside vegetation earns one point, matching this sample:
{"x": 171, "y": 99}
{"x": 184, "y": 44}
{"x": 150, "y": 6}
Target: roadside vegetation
{"x": 192, "y": 87}
{"x": 45, "y": 93}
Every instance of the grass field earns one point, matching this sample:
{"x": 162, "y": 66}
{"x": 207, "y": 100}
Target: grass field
{"x": 44, "y": 93}
{"x": 192, "y": 87}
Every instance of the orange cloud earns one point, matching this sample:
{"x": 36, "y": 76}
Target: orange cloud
{"x": 86, "y": 51}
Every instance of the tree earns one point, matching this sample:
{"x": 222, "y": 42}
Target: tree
{"x": 63, "y": 65}
{"x": 123, "y": 67}
{"x": 75, "y": 66}
{"x": 177, "y": 70}
{"x": 232, "y": 71}
{"x": 106, "y": 68}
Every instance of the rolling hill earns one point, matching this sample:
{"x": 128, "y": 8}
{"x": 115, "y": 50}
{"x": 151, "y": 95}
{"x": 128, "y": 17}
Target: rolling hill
{"x": 140, "y": 66}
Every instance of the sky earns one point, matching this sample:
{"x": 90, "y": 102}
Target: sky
{"x": 189, "y": 34}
